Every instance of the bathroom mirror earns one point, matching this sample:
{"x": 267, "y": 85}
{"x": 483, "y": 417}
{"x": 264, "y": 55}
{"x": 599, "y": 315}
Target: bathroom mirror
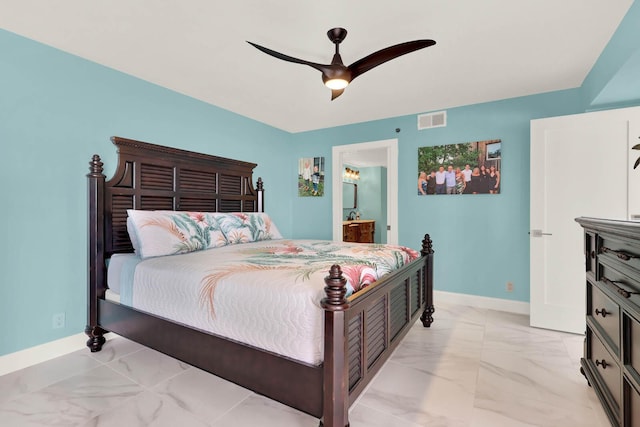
{"x": 349, "y": 195}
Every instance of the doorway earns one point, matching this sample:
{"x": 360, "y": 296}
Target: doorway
{"x": 376, "y": 153}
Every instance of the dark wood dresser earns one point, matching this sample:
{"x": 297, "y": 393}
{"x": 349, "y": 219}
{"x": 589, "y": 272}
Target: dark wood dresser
{"x": 611, "y": 359}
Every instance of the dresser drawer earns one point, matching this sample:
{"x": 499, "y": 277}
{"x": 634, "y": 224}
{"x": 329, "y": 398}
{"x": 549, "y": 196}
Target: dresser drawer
{"x": 620, "y": 252}
{"x": 606, "y": 368}
{"x": 617, "y": 277}
{"x": 606, "y": 314}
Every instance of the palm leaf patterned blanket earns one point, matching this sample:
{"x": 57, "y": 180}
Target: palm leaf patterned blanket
{"x": 266, "y": 294}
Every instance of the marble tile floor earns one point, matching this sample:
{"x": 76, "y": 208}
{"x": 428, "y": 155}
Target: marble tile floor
{"x": 472, "y": 368}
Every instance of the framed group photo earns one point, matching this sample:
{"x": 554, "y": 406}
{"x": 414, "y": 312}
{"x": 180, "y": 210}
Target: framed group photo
{"x": 457, "y": 169}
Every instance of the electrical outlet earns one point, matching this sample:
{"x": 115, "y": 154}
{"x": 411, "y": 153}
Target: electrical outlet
{"x": 57, "y": 321}
{"x": 509, "y": 287}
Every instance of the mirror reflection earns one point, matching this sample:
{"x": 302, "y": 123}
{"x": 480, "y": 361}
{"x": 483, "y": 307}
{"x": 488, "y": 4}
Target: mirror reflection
{"x": 349, "y": 195}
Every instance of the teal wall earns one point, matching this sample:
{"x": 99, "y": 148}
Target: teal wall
{"x": 372, "y": 199}
{"x": 56, "y": 110}
{"x": 481, "y": 241}
{"x": 613, "y": 81}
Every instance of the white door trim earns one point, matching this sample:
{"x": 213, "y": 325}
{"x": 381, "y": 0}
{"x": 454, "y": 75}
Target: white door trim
{"x": 338, "y": 151}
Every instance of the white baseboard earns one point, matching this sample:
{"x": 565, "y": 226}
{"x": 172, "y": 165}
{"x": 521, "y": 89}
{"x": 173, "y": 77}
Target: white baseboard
{"x": 510, "y": 306}
{"x": 41, "y": 353}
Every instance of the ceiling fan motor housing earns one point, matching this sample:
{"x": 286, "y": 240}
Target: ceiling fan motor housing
{"x": 336, "y": 70}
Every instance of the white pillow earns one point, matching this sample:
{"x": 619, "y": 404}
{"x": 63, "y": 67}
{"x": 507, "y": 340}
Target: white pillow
{"x": 174, "y": 232}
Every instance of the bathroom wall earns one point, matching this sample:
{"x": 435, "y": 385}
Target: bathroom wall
{"x": 372, "y": 199}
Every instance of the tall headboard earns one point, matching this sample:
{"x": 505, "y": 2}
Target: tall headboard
{"x": 154, "y": 177}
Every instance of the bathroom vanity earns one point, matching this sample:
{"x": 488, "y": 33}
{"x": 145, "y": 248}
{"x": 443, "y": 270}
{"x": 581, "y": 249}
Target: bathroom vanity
{"x": 358, "y": 230}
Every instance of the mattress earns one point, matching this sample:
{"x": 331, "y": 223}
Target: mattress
{"x": 266, "y": 294}
{"x": 120, "y": 273}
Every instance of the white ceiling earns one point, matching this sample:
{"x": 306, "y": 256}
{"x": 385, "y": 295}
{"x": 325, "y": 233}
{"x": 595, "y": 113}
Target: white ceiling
{"x": 486, "y": 50}
{"x": 366, "y": 158}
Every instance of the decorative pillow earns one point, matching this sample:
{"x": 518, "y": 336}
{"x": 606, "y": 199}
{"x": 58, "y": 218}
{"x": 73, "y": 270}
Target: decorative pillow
{"x": 174, "y": 232}
{"x": 244, "y": 227}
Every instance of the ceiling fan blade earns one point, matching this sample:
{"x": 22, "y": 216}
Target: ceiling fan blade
{"x": 380, "y": 57}
{"x": 319, "y": 67}
{"x": 336, "y": 93}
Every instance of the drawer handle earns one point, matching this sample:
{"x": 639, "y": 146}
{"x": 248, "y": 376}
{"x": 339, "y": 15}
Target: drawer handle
{"x": 593, "y": 254}
{"x": 602, "y": 312}
{"x": 620, "y": 254}
{"x": 604, "y": 363}
{"x": 621, "y": 291}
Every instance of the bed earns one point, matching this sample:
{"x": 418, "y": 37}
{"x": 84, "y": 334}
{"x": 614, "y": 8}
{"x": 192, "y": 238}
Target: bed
{"x": 358, "y": 331}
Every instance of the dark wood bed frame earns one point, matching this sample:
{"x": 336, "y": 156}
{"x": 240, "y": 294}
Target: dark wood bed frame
{"x": 360, "y": 333}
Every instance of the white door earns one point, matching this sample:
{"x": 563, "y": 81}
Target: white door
{"x": 579, "y": 167}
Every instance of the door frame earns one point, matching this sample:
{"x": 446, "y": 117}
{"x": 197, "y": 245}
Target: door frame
{"x": 338, "y": 152}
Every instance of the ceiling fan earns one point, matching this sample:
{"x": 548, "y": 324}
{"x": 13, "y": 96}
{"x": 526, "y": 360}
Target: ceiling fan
{"x": 336, "y": 76}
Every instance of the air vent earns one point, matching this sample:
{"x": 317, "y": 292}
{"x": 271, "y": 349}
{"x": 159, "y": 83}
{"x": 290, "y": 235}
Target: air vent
{"x": 432, "y": 120}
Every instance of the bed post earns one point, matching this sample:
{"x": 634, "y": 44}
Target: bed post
{"x": 96, "y": 273}
{"x": 260, "y": 190}
{"x": 335, "y": 402}
{"x": 427, "y": 251}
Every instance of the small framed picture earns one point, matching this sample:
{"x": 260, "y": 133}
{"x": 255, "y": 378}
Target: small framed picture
{"x": 311, "y": 177}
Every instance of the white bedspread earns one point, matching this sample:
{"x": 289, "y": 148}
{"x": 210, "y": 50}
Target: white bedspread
{"x": 266, "y": 294}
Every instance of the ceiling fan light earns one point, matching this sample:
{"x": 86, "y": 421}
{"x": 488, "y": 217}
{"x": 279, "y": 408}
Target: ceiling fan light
{"x": 336, "y": 84}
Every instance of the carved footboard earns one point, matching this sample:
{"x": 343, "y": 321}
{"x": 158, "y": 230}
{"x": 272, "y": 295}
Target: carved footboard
{"x": 361, "y": 332}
